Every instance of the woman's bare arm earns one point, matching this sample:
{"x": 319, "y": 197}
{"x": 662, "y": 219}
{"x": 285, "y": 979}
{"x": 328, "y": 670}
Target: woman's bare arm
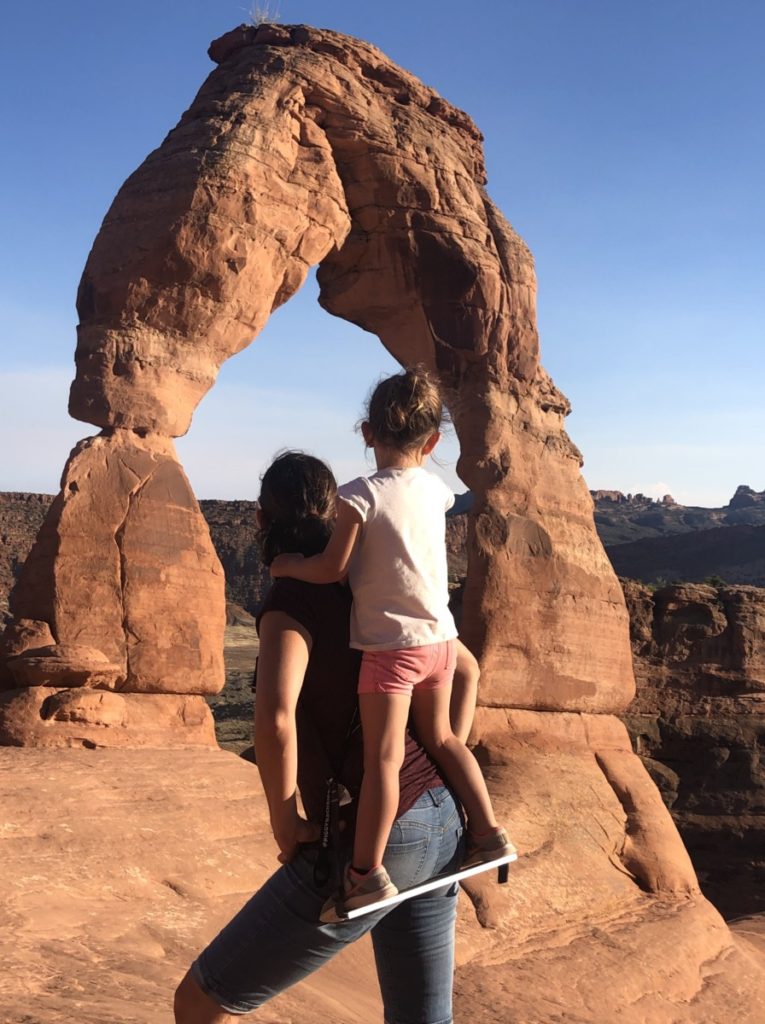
{"x": 284, "y": 649}
{"x": 464, "y": 692}
{"x": 332, "y": 563}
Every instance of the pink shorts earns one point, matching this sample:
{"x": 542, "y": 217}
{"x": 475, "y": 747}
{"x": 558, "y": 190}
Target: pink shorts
{"x": 429, "y": 667}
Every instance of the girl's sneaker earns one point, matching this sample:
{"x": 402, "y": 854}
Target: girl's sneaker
{"x": 358, "y": 891}
{"x": 492, "y": 846}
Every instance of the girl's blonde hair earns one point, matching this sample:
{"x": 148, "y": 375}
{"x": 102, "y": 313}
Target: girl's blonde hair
{"x": 406, "y": 409}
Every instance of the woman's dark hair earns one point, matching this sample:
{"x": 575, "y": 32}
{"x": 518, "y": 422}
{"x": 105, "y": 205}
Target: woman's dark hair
{"x": 297, "y": 506}
{"x": 406, "y": 409}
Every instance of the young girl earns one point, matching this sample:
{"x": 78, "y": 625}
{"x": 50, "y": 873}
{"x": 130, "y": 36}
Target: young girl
{"x": 389, "y": 538}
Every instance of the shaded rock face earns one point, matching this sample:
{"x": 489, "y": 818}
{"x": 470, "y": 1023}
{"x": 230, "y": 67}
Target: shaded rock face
{"x": 698, "y": 721}
{"x": 733, "y": 554}
{"x": 21, "y": 516}
{"x": 234, "y": 535}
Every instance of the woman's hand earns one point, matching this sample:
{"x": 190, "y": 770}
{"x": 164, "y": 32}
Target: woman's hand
{"x": 290, "y": 833}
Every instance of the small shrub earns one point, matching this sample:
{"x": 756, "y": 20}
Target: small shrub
{"x": 658, "y": 584}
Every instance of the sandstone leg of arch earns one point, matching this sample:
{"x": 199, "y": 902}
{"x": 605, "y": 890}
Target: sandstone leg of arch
{"x": 126, "y": 593}
{"x": 541, "y": 601}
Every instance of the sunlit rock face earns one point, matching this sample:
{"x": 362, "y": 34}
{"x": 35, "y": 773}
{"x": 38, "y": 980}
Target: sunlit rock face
{"x": 122, "y": 591}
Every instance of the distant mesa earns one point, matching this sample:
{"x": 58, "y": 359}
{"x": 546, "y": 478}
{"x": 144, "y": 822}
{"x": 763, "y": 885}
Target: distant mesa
{"x": 745, "y": 497}
{"x": 626, "y": 518}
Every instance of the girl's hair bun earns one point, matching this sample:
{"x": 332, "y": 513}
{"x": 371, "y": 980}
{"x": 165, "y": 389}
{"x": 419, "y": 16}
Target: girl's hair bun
{"x": 406, "y": 409}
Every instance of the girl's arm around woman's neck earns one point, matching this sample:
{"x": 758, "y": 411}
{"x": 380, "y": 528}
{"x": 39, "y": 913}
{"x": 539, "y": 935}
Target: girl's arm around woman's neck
{"x": 331, "y": 564}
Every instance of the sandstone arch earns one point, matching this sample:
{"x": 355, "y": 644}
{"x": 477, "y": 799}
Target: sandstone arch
{"x": 307, "y": 147}
{"x": 301, "y": 149}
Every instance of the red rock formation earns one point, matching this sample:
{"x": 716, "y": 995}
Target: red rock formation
{"x": 305, "y": 147}
{"x": 124, "y": 578}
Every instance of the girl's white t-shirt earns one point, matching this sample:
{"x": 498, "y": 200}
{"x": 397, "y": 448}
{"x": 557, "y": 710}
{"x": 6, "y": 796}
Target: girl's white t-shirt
{"x": 398, "y": 571}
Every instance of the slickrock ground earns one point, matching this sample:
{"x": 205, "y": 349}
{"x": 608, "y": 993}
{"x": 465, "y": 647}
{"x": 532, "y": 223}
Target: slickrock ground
{"x": 117, "y": 865}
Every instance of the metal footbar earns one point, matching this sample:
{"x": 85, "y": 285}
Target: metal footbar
{"x": 333, "y": 915}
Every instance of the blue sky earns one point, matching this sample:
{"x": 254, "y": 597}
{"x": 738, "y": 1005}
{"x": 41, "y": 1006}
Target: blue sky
{"x": 624, "y": 141}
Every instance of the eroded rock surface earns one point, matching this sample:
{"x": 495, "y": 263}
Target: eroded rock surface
{"x": 125, "y": 582}
{"x": 144, "y": 854}
{"x": 124, "y": 564}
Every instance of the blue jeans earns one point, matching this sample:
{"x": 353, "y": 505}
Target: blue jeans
{"x": 276, "y": 939}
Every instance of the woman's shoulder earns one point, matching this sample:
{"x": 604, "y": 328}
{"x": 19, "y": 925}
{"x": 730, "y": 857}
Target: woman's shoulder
{"x": 310, "y": 604}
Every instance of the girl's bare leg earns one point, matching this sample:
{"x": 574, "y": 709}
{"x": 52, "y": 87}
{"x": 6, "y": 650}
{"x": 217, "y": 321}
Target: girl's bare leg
{"x": 430, "y": 709}
{"x": 383, "y": 723}
{"x": 464, "y": 693}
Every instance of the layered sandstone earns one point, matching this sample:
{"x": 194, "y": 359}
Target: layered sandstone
{"x": 124, "y": 580}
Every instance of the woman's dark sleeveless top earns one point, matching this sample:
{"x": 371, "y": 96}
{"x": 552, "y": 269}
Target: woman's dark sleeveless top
{"x": 329, "y": 733}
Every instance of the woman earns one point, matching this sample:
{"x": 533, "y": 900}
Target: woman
{"x": 306, "y": 729}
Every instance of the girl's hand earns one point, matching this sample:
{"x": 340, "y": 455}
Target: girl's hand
{"x": 282, "y": 564}
{"x": 291, "y": 833}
